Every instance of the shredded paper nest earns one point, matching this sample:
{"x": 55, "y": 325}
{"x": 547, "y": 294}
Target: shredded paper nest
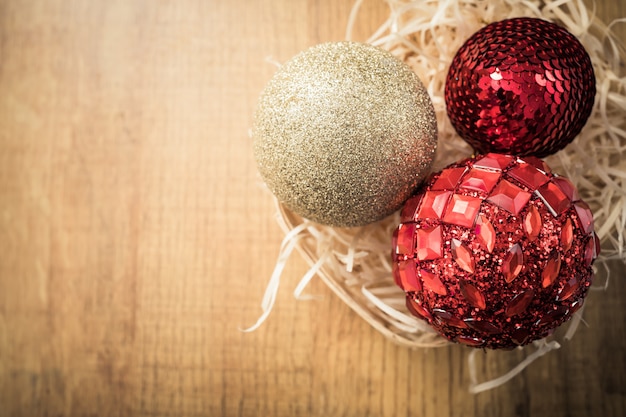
{"x": 355, "y": 262}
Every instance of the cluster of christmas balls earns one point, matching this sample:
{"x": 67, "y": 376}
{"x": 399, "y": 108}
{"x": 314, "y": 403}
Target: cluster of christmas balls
{"x": 495, "y": 250}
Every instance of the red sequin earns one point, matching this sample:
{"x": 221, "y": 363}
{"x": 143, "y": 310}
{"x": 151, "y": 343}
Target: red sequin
{"x": 523, "y": 86}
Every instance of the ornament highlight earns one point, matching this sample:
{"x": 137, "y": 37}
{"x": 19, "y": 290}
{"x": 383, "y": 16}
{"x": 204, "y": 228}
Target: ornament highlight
{"x": 523, "y": 86}
{"x": 495, "y": 251}
{"x": 344, "y": 133}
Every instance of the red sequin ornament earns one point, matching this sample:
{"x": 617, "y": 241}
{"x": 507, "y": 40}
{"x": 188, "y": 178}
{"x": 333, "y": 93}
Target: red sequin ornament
{"x": 522, "y": 86}
{"x": 495, "y": 251}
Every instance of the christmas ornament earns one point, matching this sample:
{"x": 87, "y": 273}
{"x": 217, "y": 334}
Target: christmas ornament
{"x": 523, "y": 86}
{"x": 344, "y": 133}
{"x": 495, "y": 251}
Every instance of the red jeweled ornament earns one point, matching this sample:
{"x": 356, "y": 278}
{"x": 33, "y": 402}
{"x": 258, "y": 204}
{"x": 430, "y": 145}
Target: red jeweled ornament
{"x": 522, "y": 86}
{"x": 495, "y": 251}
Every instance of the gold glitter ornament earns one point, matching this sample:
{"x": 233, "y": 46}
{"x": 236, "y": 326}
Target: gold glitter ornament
{"x": 344, "y": 133}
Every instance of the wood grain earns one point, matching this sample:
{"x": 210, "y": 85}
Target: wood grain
{"x": 136, "y": 237}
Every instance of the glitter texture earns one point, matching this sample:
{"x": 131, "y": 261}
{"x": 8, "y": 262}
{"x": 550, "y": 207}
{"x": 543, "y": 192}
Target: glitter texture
{"x": 523, "y": 86}
{"x": 344, "y": 133}
{"x": 513, "y": 269}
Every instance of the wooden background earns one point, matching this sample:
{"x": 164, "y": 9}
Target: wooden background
{"x": 136, "y": 237}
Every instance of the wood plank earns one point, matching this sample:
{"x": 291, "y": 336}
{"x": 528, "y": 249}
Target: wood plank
{"x": 137, "y": 237}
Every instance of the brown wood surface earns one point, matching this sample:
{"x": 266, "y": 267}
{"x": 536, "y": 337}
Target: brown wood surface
{"x": 136, "y": 237}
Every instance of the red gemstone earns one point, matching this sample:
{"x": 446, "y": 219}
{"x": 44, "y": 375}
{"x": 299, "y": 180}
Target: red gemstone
{"x": 407, "y": 272}
{"x": 428, "y": 244}
{"x": 567, "y": 187}
{"x": 520, "y": 336}
{"x": 511, "y": 276}
{"x": 416, "y": 308}
{"x": 576, "y": 305}
{"x": 537, "y": 163}
{"x": 462, "y": 210}
{"x": 433, "y": 204}
{"x": 590, "y": 251}
{"x": 551, "y": 270}
{"x": 394, "y": 241}
{"x": 552, "y": 316}
{"x": 513, "y": 263}
{"x": 462, "y": 255}
{"x": 597, "y": 248}
{"x": 567, "y": 235}
{"x": 448, "y": 318}
{"x": 432, "y": 282}
{"x": 528, "y": 175}
{"x": 485, "y": 232}
{"x": 503, "y": 94}
{"x": 410, "y": 207}
{"x": 569, "y": 288}
{"x": 480, "y": 180}
{"x": 405, "y": 243}
{"x": 554, "y": 199}
{"x": 519, "y": 303}
{"x": 482, "y": 326}
{"x": 509, "y": 197}
{"x": 395, "y": 271}
{"x": 494, "y": 161}
{"x": 532, "y": 223}
{"x": 473, "y": 295}
{"x": 585, "y": 218}
{"x": 470, "y": 341}
{"x": 448, "y": 179}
